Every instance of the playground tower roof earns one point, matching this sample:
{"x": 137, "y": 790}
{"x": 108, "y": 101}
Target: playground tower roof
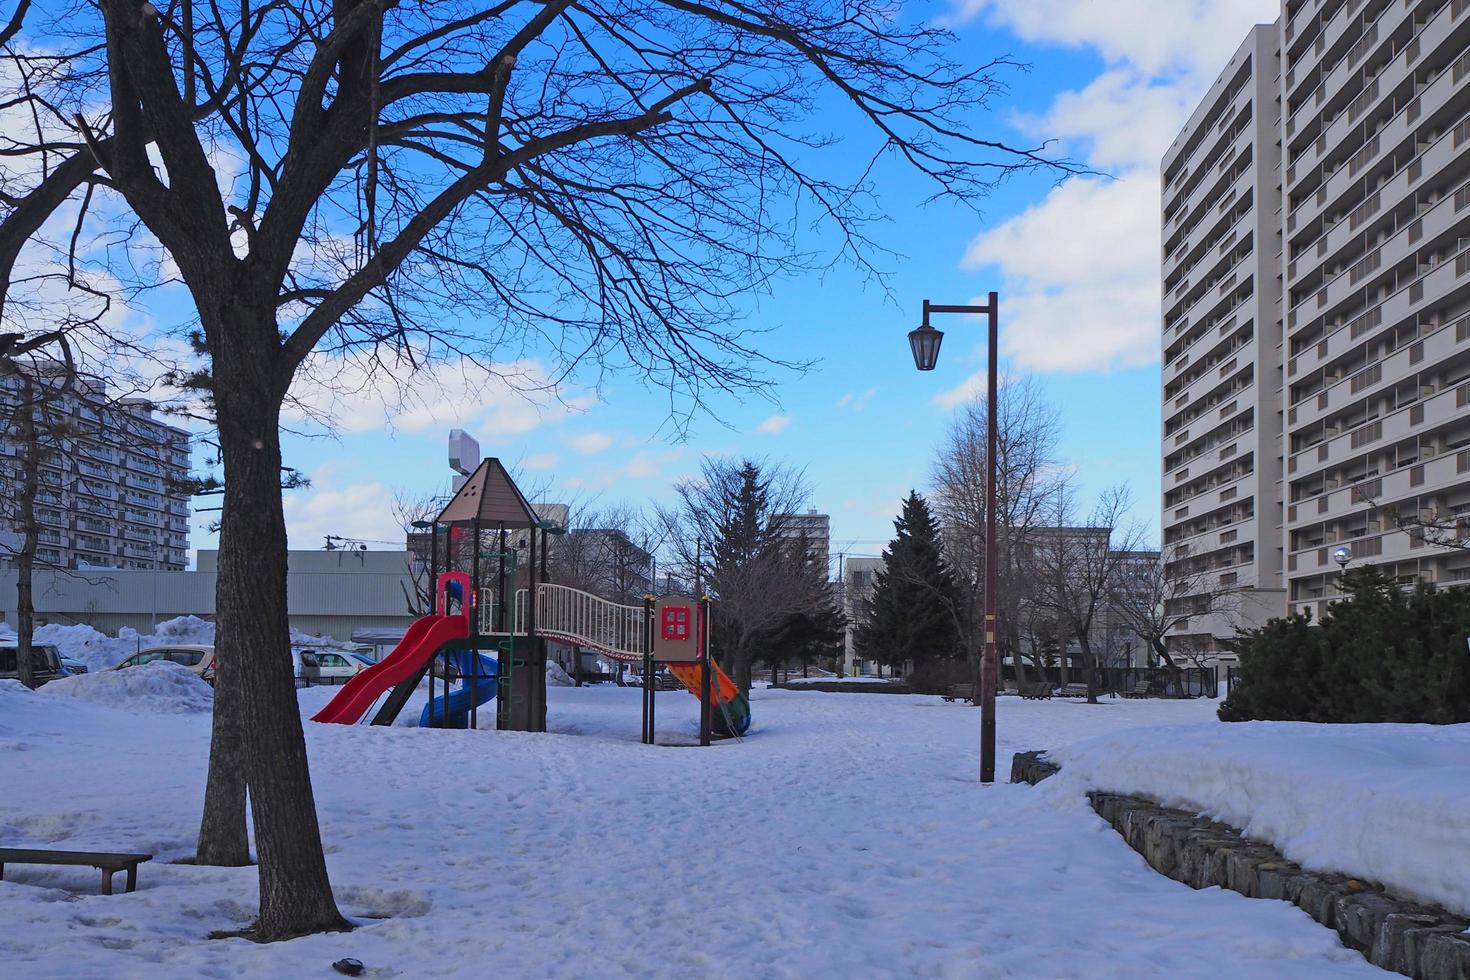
{"x": 491, "y": 497}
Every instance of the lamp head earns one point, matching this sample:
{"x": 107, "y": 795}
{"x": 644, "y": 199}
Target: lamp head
{"x": 924, "y": 342}
{"x": 1342, "y": 556}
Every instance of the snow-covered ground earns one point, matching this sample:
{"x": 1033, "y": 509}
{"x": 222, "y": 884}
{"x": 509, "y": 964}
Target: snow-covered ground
{"x": 1386, "y": 802}
{"x": 846, "y": 837}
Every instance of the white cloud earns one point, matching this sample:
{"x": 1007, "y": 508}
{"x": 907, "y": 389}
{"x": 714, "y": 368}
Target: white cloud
{"x": 541, "y": 461}
{"x": 357, "y": 397}
{"x": 1082, "y": 276}
{"x": 644, "y": 464}
{"x": 1080, "y": 269}
{"x": 963, "y": 393}
{"x": 334, "y": 505}
{"x": 857, "y": 401}
{"x": 774, "y": 425}
{"x": 1158, "y": 36}
{"x": 589, "y": 443}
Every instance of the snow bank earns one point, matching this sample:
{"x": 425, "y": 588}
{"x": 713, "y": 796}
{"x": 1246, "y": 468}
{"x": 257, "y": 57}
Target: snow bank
{"x": 159, "y": 686}
{"x": 1383, "y": 802}
{"x": 557, "y": 676}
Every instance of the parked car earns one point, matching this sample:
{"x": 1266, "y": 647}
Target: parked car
{"x": 71, "y": 666}
{"x": 316, "y": 666}
{"x": 198, "y": 657}
{"x": 45, "y": 662}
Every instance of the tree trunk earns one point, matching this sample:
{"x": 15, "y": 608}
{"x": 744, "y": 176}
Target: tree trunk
{"x": 25, "y": 607}
{"x": 223, "y": 839}
{"x": 1089, "y": 664}
{"x": 255, "y": 689}
{"x": 1174, "y": 669}
{"x": 744, "y": 667}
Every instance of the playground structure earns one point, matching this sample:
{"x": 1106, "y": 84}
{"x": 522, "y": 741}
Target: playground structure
{"x": 497, "y": 648}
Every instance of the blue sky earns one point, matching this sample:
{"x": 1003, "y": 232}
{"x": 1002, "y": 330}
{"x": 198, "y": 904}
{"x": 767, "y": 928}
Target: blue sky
{"x": 1076, "y": 265}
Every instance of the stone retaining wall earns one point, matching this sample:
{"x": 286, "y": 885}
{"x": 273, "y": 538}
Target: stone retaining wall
{"x": 1415, "y": 940}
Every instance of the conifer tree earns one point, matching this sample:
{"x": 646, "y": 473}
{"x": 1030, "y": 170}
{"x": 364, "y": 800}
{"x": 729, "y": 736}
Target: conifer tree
{"x": 912, "y": 610}
{"x": 1383, "y": 654}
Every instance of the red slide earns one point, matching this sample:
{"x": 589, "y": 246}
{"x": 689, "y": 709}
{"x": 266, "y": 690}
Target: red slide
{"x": 422, "y": 641}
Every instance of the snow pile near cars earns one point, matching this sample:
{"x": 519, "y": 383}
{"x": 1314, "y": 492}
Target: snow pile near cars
{"x": 557, "y": 676}
{"x": 100, "y": 651}
{"x": 1383, "y": 802}
{"x": 161, "y": 687}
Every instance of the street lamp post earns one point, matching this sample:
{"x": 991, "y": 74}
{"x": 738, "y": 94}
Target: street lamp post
{"x": 924, "y": 342}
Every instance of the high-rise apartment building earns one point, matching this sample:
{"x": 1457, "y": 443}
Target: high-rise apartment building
{"x": 110, "y": 481}
{"x": 1221, "y": 339}
{"x": 1377, "y": 274}
{"x": 1367, "y": 351}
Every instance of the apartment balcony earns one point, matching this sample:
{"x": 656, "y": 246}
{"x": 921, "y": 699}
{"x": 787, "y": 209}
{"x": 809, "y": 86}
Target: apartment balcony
{"x": 1408, "y": 299}
{"x": 100, "y": 527}
{"x": 1435, "y": 411}
{"x": 92, "y": 469}
{"x": 1226, "y": 493}
{"x": 1350, "y": 67}
{"x": 1433, "y": 347}
{"x": 140, "y": 550}
{"x": 96, "y": 489}
{"x": 96, "y": 452}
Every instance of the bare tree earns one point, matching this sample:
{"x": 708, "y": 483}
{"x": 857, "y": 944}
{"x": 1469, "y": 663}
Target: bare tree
{"x": 1029, "y": 480}
{"x": 722, "y": 530}
{"x": 603, "y": 181}
{"x": 1078, "y": 566}
{"x": 607, "y": 551}
{"x": 1154, "y": 598}
{"x": 41, "y": 396}
{"x": 29, "y": 404}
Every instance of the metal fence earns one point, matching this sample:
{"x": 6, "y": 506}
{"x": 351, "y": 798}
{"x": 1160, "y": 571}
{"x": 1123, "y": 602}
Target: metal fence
{"x": 1157, "y": 682}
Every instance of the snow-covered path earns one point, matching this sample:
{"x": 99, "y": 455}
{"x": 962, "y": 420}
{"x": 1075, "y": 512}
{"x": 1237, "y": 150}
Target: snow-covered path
{"x": 847, "y": 838}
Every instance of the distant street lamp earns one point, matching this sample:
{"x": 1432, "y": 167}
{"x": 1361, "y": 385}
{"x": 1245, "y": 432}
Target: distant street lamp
{"x": 924, "y": 342}
{"x": 1342, "y": 556}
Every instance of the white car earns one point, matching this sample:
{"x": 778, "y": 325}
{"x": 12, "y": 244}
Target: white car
{"x": 317, "y": 666}
{"x": 198, "y": 657}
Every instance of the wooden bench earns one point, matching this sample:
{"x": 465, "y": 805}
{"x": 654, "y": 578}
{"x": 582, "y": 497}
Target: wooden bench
{"x": 108, "y": 864}
{"x": 1140, "y": 689}
{"x": 1036, "y": 690}
{"x": 963, "y": 692}
{"x": 1074, "y": 690}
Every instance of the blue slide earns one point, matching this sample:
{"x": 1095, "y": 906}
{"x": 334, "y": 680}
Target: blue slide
{"x": 463, "y": 698}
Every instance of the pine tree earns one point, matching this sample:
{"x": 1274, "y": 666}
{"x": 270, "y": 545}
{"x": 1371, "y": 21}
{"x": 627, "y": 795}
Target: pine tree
{"x": 1384, "y": 654}
{"x": 911, "y": 613}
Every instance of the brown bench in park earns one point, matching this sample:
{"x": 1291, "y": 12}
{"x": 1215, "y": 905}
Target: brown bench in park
{"x": 1036, "y": 690}
{"x": 1074, "y": 690}
{"x": 109, "y": 864}
{"x": 1140, "y": 689}
{"x": 963, "y": 692}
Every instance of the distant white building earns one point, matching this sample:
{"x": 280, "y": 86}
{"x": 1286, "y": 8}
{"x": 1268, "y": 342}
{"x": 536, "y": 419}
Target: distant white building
{"x": 814, "y": 527}
{"x": 855, "y": 589}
